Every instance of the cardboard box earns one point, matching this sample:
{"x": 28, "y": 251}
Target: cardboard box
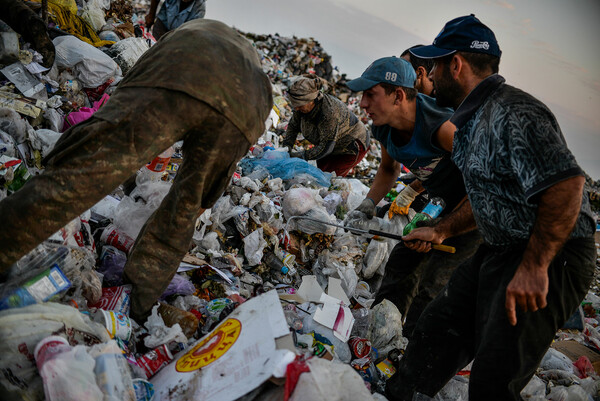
{"x": 574, "y": 351}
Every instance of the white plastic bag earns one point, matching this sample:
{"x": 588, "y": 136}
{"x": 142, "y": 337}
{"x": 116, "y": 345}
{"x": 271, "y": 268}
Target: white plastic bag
{"x": 131, "y": 215}
{"x": 377, "y": 253}
{"x": 126, "y": 52}
{"x": 330, "y": 381}
{"x": 254, "y": 245}
{"x": 554, "y": 359}
{"x": 91, "y": 65}
{"x": 22, "y": 328}
{"x": 385, "y": 327}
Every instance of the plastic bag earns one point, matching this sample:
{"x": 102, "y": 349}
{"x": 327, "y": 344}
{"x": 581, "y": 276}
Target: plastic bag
{"x": 45, "y": 139}
{"x": 12, "y": 123}
{"x": 385, "y": 328}
{"x": 91, "y": 66}
{"x": 112, "y": 264}
{"x": 376, "y": 254}
{"x": 535, "y": 388}
{"x": 112, "y": 372}
{"x": 279, "y": 164}
{"x": 330, "y": 381}
{"x": 160, "y": 333}
{"x": 69, "y": 376}
{"x": 20, "y": 331}
{"x": 254, "y": 244}
{"x": 571, "y": 393}
{"x": 84, "y": 113}
{"x": 353, "y": 191}
{"x": 180, "y": 285}
{"x": 126, "y": 52}
{"x": 133, "y": 210}
{"x": 307, "y": 203}
{"x": 554, "y": 359}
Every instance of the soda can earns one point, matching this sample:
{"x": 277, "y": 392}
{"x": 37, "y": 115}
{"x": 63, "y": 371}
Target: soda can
{"x": 155, "y": 360}
{"x": 360, "y": 347}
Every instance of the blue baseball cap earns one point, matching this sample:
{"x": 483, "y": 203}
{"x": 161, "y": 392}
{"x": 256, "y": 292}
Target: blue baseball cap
{"x": 465, "y": 34}
{"x": 391, "y": 70}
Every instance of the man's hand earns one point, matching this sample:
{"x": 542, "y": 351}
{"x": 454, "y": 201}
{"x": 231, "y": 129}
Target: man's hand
{"x": 421, "y": 238}
{"x": 149, "y": 21}
{"x": 528, "y": 288}
{"x": 402, "y": 202}
{"x": 367, "y": 207}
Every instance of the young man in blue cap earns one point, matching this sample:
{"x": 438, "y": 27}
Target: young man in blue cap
{"x": 414, "y": 131}
{"x": 502, "y": 309}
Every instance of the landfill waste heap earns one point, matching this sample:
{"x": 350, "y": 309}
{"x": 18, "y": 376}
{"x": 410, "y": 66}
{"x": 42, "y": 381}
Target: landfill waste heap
{"x": 269, "y": 303}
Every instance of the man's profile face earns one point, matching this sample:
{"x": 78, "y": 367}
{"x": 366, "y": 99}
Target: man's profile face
{"x": 378, "y": 104}
{"x": 446, "y": 88}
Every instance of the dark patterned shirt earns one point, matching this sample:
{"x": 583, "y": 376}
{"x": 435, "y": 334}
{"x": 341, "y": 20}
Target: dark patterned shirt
{"x": 330, "y": 120}
{"x": 510, "y": 149}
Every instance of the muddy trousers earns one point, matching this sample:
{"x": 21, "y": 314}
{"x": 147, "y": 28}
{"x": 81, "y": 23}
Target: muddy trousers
{"x": 412, "y": 279}
{"x": 94, "y": 157}
{"x": 467, "y": 322}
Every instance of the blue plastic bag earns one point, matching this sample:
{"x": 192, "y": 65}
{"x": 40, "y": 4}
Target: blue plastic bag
{"x": 281, "y": 165}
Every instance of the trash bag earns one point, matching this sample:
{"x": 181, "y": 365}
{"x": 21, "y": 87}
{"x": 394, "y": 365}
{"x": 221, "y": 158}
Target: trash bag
{"x": 133, "y": 210}
{"x": 44, "y": 139}
{"x": 179, "y": 285}
{"x": 307, "y": 203}
{"x": 385, "y": 328}
{"x": 535, "y": 388}
{"x": 91, "y": 66}
{"x": 126, "y": 52}
{"x": 330, "y": 381}
{"x": 554, "y": 359}
{"x": 377, "y": 254}
{"x": 254, "y": 244}
{"x": 280, "y": 165}
{"x": 22, "y": 328}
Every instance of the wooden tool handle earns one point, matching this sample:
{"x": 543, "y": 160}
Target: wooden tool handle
{"x": 443, "y": 248}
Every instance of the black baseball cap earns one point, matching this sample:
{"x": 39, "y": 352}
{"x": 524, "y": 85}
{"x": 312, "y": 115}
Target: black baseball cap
{"x": 465, "y": 34}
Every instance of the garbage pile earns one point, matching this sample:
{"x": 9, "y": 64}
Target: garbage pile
{"x": 272, "y": 299}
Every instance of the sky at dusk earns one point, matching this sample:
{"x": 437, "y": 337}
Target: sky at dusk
{"x": 549, "y": 47}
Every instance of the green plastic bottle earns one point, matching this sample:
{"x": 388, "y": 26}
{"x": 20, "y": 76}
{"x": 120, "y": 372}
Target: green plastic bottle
{"x": 429, "y": 212}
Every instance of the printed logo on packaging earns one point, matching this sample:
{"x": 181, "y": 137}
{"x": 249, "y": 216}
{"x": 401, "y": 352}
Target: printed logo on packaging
{"x": 211, "y": 348}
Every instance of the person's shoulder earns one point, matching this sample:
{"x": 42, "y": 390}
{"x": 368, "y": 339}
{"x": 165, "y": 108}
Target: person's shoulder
{"x": 381, "y": 132}
{"x": 516, "y": 99}
{"x": 429, "y": 104}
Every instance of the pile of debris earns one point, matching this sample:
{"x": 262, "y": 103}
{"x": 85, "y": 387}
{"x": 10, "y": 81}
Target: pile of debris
{"x": 272, "y": 300}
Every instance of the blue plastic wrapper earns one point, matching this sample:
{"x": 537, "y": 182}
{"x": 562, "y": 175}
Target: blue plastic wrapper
{"x": 281, "y": 165}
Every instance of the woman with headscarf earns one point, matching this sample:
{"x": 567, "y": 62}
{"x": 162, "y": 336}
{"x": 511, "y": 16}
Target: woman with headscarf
{"x": 340, "y": 138}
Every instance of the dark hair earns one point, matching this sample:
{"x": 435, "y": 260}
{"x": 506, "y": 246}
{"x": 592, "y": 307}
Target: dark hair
{"x": 411, "y": 93}
{"x": 417, "y": 62}
{"x": 481, "y": 63}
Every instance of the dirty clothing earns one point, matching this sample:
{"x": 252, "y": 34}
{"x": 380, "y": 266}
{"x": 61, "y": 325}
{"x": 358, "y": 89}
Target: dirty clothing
{"x": 467, "y": 321}
{"x": 509, "y": 146}
{"x": 413, "y": 279}
{"x": 30, "y": 26}
{"x": 329, "y": 123}
{"x": 342, "y": 165}
{"x": 173, "y": 16}
{"x": 140, "y": 121}
{"x": 409, "y": 274}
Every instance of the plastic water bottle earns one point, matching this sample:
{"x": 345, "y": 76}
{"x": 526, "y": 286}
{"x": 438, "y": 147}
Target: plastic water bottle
{"x": 429, "y": 212}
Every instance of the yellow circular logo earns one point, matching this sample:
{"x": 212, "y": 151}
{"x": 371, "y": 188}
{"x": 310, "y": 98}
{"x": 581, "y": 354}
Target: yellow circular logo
{"x": 211, "y": 348}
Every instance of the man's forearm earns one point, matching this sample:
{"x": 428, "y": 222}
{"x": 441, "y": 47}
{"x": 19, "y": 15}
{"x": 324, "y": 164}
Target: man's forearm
{"x": 382, "y": 183}
{"x": 557, "y": 213}
{"x": 459, "y": 221}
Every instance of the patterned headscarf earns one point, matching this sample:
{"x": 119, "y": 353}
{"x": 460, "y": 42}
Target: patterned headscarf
{"x": 304, "y": 89}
